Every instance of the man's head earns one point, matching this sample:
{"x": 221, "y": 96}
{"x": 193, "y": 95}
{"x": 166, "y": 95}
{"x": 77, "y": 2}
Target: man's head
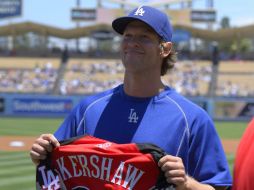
{"x": 158, "y": 22}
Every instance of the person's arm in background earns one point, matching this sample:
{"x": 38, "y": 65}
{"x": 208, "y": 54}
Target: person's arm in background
{"x": 244, "y": 162}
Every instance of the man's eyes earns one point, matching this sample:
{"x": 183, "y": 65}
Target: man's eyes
{"x": 144, "y": 37}
{"x": 127, "y": 36}
{"x": 141, "y": 38}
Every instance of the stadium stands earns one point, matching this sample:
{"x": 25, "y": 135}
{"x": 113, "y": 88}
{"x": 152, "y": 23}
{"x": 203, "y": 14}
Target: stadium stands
{"x": 237, "y": 66}
{"x": 28, "y": 75}
{"x": 90, "y": 76}
{"x": 235, "y": 78}
{"x": 27, "y": 63}
{"x": 86, "y": 76}
{"x": 235, "y": 85}
{"x": 190, "y": 78}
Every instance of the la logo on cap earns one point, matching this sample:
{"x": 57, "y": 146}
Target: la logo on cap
{"x": 140, "y": 11}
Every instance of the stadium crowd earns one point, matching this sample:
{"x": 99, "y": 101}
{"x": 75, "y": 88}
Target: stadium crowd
{"x": 36, "y": 80}
{"x": 190, "y": 78}
{"x": 81, "y": 76}
{"x": 91, "y": 77}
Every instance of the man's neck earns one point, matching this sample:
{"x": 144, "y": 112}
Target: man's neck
{"x": 142, "y": 86}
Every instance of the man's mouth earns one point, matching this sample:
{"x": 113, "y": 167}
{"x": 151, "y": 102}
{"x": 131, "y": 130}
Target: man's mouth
{"x": 133, "y": 52}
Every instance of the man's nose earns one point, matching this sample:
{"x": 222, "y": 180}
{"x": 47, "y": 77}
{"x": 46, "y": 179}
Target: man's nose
{"x": 132, "y": 39}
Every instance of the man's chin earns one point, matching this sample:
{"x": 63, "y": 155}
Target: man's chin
{"x": 135, "y": 54}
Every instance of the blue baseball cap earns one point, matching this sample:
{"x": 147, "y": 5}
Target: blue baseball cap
{"x": 154, "y": 18}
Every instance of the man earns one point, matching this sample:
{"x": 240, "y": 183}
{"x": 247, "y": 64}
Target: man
{"x": 244, "y": 162}
{"x": 144, "y": 110}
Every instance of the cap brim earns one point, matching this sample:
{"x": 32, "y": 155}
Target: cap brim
{"x": 120, "y": 24}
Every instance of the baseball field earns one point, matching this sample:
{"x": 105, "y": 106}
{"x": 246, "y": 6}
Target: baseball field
{"x": 17, "y": 134}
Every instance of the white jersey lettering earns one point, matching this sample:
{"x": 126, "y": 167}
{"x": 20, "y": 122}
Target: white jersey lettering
{"x": 93, "y": 159}
{"x": 131, "y": 177}
{"x": 83, "y": 163}
{"x": 107, "y": 168}
{"x": 63, "y": 169}
{"x": 74, "y": 161}
{"x": 118, "y": 174}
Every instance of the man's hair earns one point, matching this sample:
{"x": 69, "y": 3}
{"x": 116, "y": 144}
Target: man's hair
{"x": 169, "y": 62}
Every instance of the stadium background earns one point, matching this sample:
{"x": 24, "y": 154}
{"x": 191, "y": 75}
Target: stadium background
{"x": 45, "y": 71}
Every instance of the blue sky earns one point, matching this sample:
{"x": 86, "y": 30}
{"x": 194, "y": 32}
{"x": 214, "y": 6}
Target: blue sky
{"x": 57, "y": 12}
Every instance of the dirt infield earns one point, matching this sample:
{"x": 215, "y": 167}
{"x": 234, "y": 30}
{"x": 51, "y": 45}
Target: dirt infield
{"x": 21, "y": 143}
{"x": 16, "y": 143}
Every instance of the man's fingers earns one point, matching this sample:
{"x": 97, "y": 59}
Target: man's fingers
{"x": 52, "y": 139}
{"x": 175, "y": 173}
{"x": 173, "y": 169}
{"x": 172, "y": 166}
{"x": 176, "y": 181}
{"x": 167, "y": 158}
{"x": 39, "y": 149}
{"x": 35, "y": 155}
{"x": 45, "y": 144}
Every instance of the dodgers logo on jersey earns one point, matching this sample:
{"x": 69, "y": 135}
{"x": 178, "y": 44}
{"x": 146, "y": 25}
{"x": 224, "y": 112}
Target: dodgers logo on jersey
{"x": 140, "y": 11}
{"x": 50, "y": 180}
{"x": 104, "y": 145}
{"x": 133, "y": 118}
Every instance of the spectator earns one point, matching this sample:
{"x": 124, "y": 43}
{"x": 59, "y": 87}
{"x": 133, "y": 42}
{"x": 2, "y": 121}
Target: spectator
{"x": 65, "y": 55}
{"x": 244, "y": 162}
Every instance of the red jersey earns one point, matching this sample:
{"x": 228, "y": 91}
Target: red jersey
{"x": 244, "y": 162}
{"x": 90, "y": 163}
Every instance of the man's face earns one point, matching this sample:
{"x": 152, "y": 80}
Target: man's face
{"x": 140, "y": 48}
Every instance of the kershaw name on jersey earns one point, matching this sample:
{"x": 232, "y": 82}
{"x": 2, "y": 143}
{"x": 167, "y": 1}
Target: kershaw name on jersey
{"x": 93, "y": 163}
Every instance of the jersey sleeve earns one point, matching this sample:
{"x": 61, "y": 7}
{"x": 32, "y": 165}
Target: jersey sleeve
{"x": 74, "y": 125}
{"x": 68, "y": 128}
{"x": 207, "y": 161}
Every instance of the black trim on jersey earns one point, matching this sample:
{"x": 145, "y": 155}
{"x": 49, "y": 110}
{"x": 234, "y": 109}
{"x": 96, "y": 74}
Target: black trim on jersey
{"x": 70, "y": 140}
{"x": 157, "y": 153}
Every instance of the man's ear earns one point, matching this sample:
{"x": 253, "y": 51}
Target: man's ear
{"x": 165, "y": 48}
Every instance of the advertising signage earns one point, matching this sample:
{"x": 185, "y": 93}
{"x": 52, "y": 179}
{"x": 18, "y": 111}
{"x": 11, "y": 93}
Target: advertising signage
{"x": 78, "y": 14}
{"x": 203, "y": 15}
{"x": 10, "y": 8}
{"x": 42, "y": 106}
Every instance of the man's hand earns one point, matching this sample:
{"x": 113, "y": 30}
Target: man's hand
{"x": 174, "y": 171}
{"x": 44, "y": 144}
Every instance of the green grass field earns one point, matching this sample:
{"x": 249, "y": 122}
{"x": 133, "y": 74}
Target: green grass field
{"x": 16, "y": 169}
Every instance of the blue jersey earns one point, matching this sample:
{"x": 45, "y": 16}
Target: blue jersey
{"x": 168, "y": 120}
